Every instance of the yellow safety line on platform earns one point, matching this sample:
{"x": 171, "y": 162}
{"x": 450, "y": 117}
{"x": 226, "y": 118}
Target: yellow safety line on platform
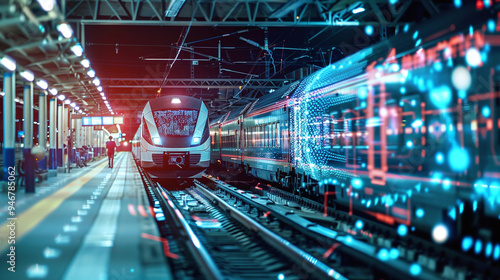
{"x": 30, "y": 218}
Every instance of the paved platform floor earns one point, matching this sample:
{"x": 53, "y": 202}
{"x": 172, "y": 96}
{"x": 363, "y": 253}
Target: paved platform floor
{"x": 87, "y": 224}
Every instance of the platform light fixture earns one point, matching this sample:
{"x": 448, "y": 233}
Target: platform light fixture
{"x": 174, "y": 7}
{"x": 358, "y": 10}
{"x": 101, "y": 93}
{"x": 91, "y": 73}
{"x": 47, "y": 5}
{"x": 96, "y": 81}
{"x": 53, "y": 91}
{"x": 85, "y": 63}
{"x": 104, "y": 98}
{"x": 99, "y": 88}
{"x": 8, "y": 63}
{"x": 42, "y": 84}
{"x": 61, "y": 97}
{"x": 80, "y": 111}
{"x": 73, "y": 104}
{"x": 77, "y": 50}
{"x": 67, "y": 101}
{"x": 77, "y": 108}
{"x": 65, "y": 29}
{"x": 27, "y": 75}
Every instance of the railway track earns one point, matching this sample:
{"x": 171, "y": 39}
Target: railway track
{"x": 228, "y": 233}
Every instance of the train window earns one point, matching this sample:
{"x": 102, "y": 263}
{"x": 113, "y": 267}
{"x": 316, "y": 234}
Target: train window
{"x": 274, "y": 134}
{"x": 176, "y": 122}
{"x": 278, "y": 138}
{"x": 236, "y": 139}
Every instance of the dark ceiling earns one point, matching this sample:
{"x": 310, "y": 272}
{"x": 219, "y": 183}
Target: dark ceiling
{"x": 226, "y": 52}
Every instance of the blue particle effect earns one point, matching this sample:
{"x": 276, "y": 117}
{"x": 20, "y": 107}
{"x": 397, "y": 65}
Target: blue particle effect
{"x": 417, "y": 123}
{"x": 441, "y": 96}
{"x": 473, "y": 57}
{"x": 359, "y": 224}
{"x": 487, "y": 3}
{"x": 392, "y": 2}
{"x": 467, "y": 242}
{"x": 393, "y": 253}
{"x": 383, "y": 254}
{"x": 402, "y": 90}
{"x": 357, "y": 183}
{"x": 415, "y": 35}
{"x": 458, "y": 3}
{"x": 362, "y": 93}
{"x": 419, "y": 212}
{"x": 439, "y": 158}
{"x": 478, "y": 246}
{"x": 458, "y": 159}
{"x": 415, "y": 269}
{"x": 413, "y": 103}
{"x": 496, "y": 252}
{"x": 462, "y": 94}
{"x": 438, "y": 66}
{"x": 402, "y": 230}
{"x": 492, "y": 25}
{"x": 489, "y": 249}
{"x": 409, "y": 144}
{"x": 281, "y": 276}
{"x": 418, "y": 42}
{"x": 369, "y": 30}
{"x": 406, "y": 28}
{"x": 486, "y": 111}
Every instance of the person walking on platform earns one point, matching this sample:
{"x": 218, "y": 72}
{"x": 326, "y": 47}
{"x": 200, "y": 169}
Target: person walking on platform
{"x": 111, "y": 146}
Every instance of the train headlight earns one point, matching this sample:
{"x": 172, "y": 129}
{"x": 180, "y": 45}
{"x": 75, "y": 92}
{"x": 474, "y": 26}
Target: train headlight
{"x": 196, "y": 140}
{"x": 157, "y": 141}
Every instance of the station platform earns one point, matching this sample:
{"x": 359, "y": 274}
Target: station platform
{"x": 87, "y": 224}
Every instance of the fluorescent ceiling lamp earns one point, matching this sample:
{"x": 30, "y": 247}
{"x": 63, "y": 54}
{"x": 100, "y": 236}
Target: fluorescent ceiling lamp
{"x": 67, "y": 101}
{"x": 104, "y": 98}
{"x": 77, "y": 108}
{"x": 53, "y": 91}
{"x": 99, "y": 88}
{"x": 61, "y": 97}
{"x": 80, "y": 111}
{"x": 77, "y": 50}
{"x": 2, "y": 93}
{"x": 358, "y": 10}
{"x": 27, "y": 75}
{"x": 176, "y": 100}
{"x": 96, "y": 81}
{"x": 73, "y": 104}
{"x": 85, "y": 62}
{"x": 47, "y": 5}
{"x": 112, "y": 113}
{"x": 65, "y": 29}
{"x": 42, "y": 84}
{"x": 91, "y": 73}
{"x": 174, "y": 7}
{"x": 102, "y": 93}
{"x": 8, "y": 63}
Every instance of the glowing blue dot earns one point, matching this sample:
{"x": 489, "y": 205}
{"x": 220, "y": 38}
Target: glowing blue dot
{"x": 418, "y": 42}
{"x": 369, "y": 30}
{"x": 419, "y": 212}
{"x": 462, "y": 94}
{"x": 394, "y": 253}
{"x": 438, "y": 66}
{"x": 413, "y": 103}
{"x": 402, "y": 230}
{"x": 348, "y": 239}
{"x": 363, "y": 165}
{"x": 359, "y": 224}
{"x": 487, "y": 3}
{"x": 363, "y": 104}
{"x": 471, "y": 30}
{"x": 486, "y": 111}
{"x": 281, "y": 276}
{"x": 458, "y": 159}
{"x": 409, "y": 144}
{"x": 458, "y": 3}
{"x": 441, "y": 96}
{"x": 415, "y": 269}
{"x": 356, "y": 183}
{"x": 446, "y": 184}
{"x": 496, "y": 252}
{"x": 415, "y": 35}
{"x": 368, "y": 203}
{"x": 406, "y": 28}
{"x": 473, "y": 57}
{"x": 132, "y": 270}
{"x": 478, "y": 246}
{"x": 392, "y": 2}
{"x": 401, "y": 103}
{"x": 439, "y": 158}
{"x": 417, "y": 123}
{"x": 489, "y": 249}
{"x": 402, "y": 90}
{"x": 395, "y": 67}
{"x": 467, "y": 242}
{"x": 362, "y": 92}
{"x": 383, "y": 254}
{"x": 492, "y": 25}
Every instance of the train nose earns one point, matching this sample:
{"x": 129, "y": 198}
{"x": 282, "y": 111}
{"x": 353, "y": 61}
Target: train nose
{"x": 178, "y": 159}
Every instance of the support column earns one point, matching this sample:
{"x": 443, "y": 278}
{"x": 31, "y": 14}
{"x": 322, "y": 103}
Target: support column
{"x": 53, "y": 137}
{"x": 42, "y": 128}
{"x": 60, "y": 137}
{"x": 9, "y": 124}
{"x": 78, "y": 133}
{"x": 29, "y": 160}
{"x": 67, "y": 150}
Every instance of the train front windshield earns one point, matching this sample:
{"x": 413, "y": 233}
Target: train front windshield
{"x": 176, "y": 122}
